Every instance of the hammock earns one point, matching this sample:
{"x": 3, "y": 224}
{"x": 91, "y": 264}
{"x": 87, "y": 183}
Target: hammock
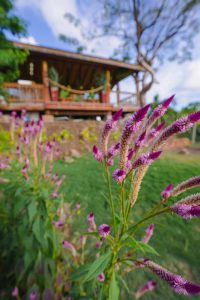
{"x": 79, "y": 92}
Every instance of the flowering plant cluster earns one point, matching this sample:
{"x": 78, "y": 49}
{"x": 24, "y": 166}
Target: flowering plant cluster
{"x": 141, "y": 143}
{"x": 38, "y": 249}
{"x": 43, "y": 256}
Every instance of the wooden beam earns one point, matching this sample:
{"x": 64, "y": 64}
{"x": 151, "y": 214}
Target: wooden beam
{"x": 118, "y": 94}
{"x": 45, "y": 81}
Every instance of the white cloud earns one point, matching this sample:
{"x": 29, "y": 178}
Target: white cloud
{"x": 28, "y": 40}
{"x": 180, "y": 79}
{"x": 53, "y": 13}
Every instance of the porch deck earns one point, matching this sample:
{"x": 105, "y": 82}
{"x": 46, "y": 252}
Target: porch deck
{"x": 32, "y": 98}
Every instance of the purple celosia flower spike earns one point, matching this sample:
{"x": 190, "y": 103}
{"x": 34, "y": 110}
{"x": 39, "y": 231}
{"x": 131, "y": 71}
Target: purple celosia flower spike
{"x": 179, "y": 126}
{"x": 58, "y": 224}
{"x": 186, "y": 211}
{"x": 166, "y": 193}
{"x": 188, "y": 207}
{"x": 33, "y": 295}
{"x": 179, "y": 284}
{"x": 186, "y": 185}
{"x": 101, "y": 277}
{"x": 104, "y": 230}
{"x": 140, "y": 141}
{"x": 146, "y": 159}
{"x": 109, "y": 125}
{"x": 117, "y": 115}
{"x": 148, "y": 287}
{"x": 149, "y": 233}
{"x": 195, "y": 117}
{"x": 119, "y": 175}
{"x": 159, "y": 111}
{"x": 131, "y": 126}
{"x": 97, "y": 153}
{"x": 155, "y": 131}
{"x": 15, "y": 292}
{"x": 111, "y": 153}
{"x": 91, "y": 222}
{"x": 67, "y": 245}
{"x": 129, "y": 157}
{"x": 113, "y": 150}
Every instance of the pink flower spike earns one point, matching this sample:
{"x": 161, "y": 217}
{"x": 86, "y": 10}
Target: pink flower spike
{"x": 160, "y": 126}
{"x": 167, "y": 102}
{"x": 58, "y": 224}
{"x": 166, "y": 193}
{"x": 130, "y": 153}
{"x": 117, "y": 115}
{"x": 104, "y": 230}
{"x": 108, "y": 127}
{"x": 146, "y": 159}
{"x": 33, "y": 295}
{"x": 160, "y": 110}
{"x": 78, "y": 206}
{"x": 179, "y": 284}
{"x": 97, "y": 153}
{"x": 149, "y": 286}
{"x": 195, "y": 117}
{"x": 101, "y": 277}
{"x": 54, "y": 195}
{"x": 113, "y": 150}
{"x": 92, "y": 225}
{"x": 83, "y": 240}
{"x": 110, "y": 161}
{"x": 154, "y": 155}
{"x": 149, "y": 233}
{"x": 140, "y": 141}
{"x": 186, "y": 211}
{"x": 18, "y": 151}
{"x": 98, "y": 244}
{"x": 119, "y": 175}
{"x": 67, "y": 245}
{"x": 141, "y": 113}
{"x": 15, "y": 292}
{"x": 90, "y": 217}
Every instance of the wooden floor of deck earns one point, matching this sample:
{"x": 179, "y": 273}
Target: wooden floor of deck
{"x": 66, "y": 108}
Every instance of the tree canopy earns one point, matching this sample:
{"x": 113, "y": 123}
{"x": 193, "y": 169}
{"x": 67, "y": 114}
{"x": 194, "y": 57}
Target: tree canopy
{"x": 10, "y": 56}
{"x": 149, "y": 32}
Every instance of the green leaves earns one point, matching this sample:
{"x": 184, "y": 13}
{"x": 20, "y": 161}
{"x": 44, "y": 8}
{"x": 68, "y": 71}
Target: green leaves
{"x": 140, "y": 246}
{"x": 80, "y": 272}
{"x": 32, "y": 210}
{"x": 113, "y": 289}
{"x": 146, "y": 248}
{"x": 98, "y": 266}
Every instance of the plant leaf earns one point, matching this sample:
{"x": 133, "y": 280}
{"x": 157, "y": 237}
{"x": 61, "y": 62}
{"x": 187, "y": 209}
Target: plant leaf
{"x": 32, "y": 210}
{"x": 80, "y": 272}
{"x": 146, "y": 248}
{"x": 98, "y": 266}
{"x": 113, "y": 289}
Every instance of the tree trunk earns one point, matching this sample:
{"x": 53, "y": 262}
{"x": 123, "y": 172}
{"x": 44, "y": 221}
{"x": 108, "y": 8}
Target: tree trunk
{"x": 140, "y": 97}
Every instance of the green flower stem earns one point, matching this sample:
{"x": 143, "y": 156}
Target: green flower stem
{"x": 110, "y": 196}
{"x": 164, "y": 210}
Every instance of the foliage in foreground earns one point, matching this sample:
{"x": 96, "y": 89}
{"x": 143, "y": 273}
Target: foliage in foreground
{"x": 91, "y": 265}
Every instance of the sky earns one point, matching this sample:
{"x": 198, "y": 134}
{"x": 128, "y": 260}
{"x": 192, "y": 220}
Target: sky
{"x": 45, "y": 20}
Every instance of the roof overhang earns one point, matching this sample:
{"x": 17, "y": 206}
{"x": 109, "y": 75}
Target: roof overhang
{"x": 75, "y": 69}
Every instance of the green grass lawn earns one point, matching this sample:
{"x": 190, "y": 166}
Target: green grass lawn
{"x": 177, "y": 241}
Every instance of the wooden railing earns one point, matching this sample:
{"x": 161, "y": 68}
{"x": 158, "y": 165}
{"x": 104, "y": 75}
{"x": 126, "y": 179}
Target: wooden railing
{"x": 123, "y": 98}
{"x": 24, "y": 92}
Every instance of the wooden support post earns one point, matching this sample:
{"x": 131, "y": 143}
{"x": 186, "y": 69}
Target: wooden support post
{"x": 118, "y": 94}
{"x": 45, "y": 81}
{"x": 108, "y": 79}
